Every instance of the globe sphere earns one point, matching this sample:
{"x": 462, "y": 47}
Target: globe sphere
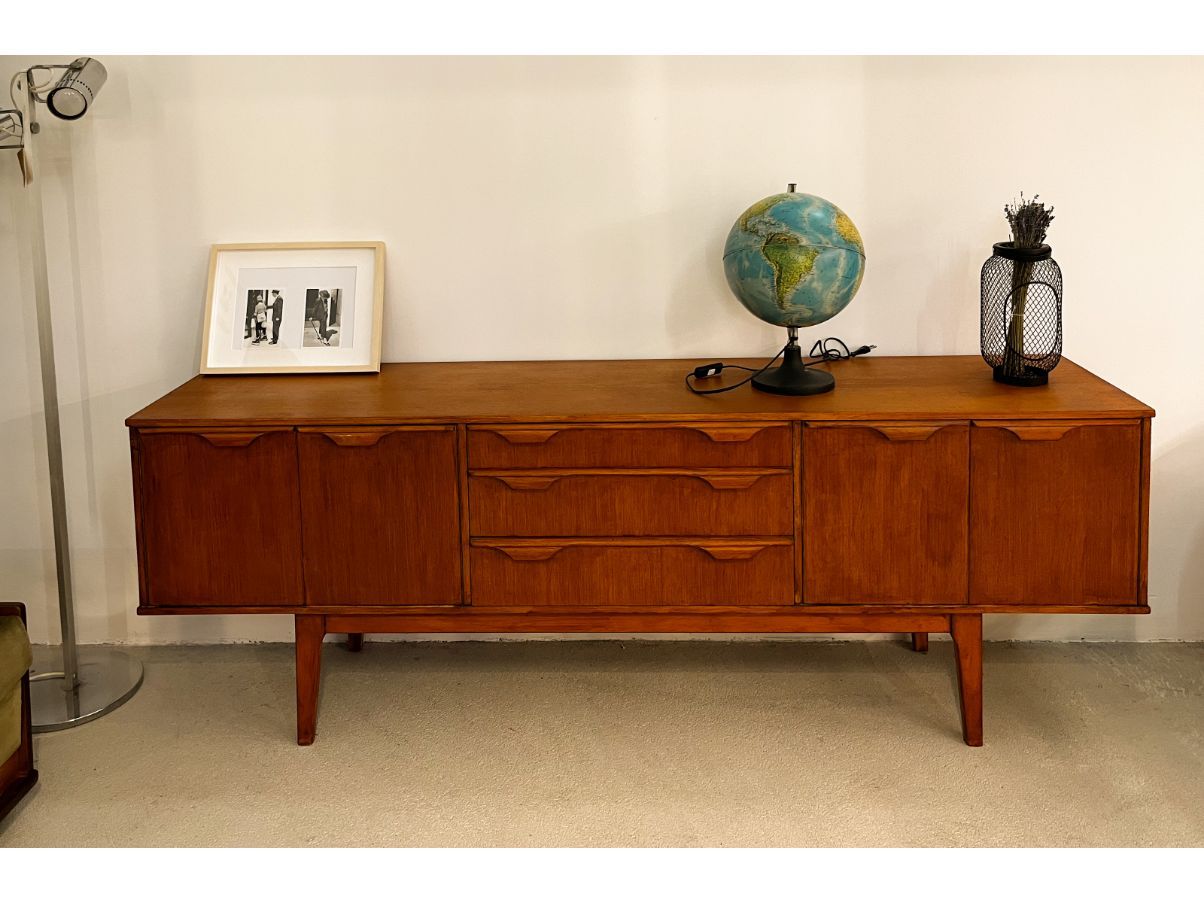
{"x": 794, "y": 259}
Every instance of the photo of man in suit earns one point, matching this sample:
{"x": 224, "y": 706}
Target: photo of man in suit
{"x": 277, "y": 305}
{"x": 265, "y": 307}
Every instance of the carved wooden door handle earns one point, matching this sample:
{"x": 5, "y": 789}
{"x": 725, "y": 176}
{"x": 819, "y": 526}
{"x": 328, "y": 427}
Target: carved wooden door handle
{"x": 525, "y": 437}
{"x": 528, "y": 553}
{"x": 732, "y": 551}
{"x": 356, "y": 439}
{"x": 526, "y": 482}
{"x": 1038, "y": 432}
{"x": 914, "y": 431}
{"x": 917, "y": 432}
{"x": 537, "y": 480}
{"x": 729, "y": 433}
{"x": 232, "y": 440}
{"x": 729, "y": 481}
{"x": 720, "y": 550}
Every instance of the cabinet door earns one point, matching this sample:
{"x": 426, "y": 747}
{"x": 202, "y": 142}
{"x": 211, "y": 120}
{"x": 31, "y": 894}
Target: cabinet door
{"x": 219, "y": 518}
{"x": 381, "y": 515}
{"x": 1055, "y": 513}
{"x": 884, "y": 513}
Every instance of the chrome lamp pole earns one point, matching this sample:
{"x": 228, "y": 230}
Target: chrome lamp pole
{"x": 96, "y": 681}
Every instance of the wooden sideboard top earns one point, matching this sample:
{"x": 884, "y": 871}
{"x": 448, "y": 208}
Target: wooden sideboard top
{"x": 867, "y": 388}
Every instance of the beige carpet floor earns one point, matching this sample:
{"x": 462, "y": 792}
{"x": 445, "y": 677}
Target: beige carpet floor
{"x": 636, "y": 744}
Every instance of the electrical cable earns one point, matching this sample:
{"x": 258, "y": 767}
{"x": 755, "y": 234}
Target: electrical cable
{"x": 30, "y": 87}
{"x": 822, "y": 351}
{"x": 715, "y": 369}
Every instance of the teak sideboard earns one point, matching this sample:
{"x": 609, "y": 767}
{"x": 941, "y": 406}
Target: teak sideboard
{"x": 602, "y": 496}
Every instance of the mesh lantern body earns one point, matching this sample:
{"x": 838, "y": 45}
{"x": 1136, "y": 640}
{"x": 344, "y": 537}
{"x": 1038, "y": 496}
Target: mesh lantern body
{"x": 1021, "y": 314}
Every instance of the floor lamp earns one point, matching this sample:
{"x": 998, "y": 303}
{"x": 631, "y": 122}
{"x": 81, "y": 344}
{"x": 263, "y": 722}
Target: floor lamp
{"x": 91, "y": 683}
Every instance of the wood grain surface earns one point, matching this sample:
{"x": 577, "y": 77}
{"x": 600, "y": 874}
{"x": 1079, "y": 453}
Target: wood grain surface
{"x": 220, "y": 523}
{"x": 614, "y": 503}
{"x": 381, "y": 516}
{"x": 307, "y": 636}
{"x": 557, "y": 571}
{"x": 603, "y": 496}
{"x": 967, "y": 647}
{"x": 884, "y": 514}
{"x": 631, "y": 445}
{"x": 728, "y": 620}
{"x": 799, "y": 613}
{"x": 867, "y": 388}
{"x": 1056, "y": 520}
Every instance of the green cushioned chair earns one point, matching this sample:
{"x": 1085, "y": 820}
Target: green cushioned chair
{"x": 17, "y": 773}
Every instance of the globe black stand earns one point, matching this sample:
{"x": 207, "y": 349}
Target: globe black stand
{"x": 794, "y": 377}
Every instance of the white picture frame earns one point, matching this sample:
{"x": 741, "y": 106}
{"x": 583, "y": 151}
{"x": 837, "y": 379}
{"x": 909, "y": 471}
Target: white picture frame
{"x": 298, "y": 307}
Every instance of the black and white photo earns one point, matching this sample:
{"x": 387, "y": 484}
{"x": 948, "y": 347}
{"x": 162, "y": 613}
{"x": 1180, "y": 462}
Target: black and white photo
{"x": 294, "y": 308}
{"x": 264, "y": 314}
{"x": 323, "y": 317}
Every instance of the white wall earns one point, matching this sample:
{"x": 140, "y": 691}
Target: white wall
{"x": 553, "y": 207}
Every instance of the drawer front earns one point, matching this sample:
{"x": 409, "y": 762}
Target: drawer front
{"x": 552, "y": 573}
{"x": 583, "y": 503}
{"x": 884, "y": 513}
{"x": 629, "y": 445}
{"x": 1055, "y": 513}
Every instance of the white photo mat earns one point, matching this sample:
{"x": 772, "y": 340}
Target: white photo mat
{"x": 294, "y": 308}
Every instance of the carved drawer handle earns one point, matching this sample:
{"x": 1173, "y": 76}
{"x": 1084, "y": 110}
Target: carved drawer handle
{"x": 729, "y": 433}
{"x": 526, "y": 483}
{"x": 526, "y": 437}
{"x": 1040, "y": 432}
{"x": 230, "y": 440}
{"x": 732, "y": 552}
{"x": 729, "y": 481}
{"x": 356, "y": 439}
{"x": 917, "y": 433}
{"x": 537, "y": 481}
{"x": 528, "y": 553}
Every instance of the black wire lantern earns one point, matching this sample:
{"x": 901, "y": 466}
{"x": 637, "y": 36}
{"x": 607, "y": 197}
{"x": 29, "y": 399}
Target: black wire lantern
{"x": 1021, "y": 314}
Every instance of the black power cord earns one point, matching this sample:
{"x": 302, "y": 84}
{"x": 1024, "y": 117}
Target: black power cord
{"x": 829, "y": 349}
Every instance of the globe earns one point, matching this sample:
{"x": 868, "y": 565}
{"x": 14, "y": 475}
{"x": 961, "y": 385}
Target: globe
{"x": 794, "y": 259}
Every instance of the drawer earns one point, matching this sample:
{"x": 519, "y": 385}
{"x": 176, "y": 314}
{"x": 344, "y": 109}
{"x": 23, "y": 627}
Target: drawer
{"x": 631, "y": 445}
{"x": 649, "y": 572}
{"x": 666, "y": 502}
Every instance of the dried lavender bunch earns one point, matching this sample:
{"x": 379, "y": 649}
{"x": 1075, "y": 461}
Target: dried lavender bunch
{"x": 1029, "y": 221}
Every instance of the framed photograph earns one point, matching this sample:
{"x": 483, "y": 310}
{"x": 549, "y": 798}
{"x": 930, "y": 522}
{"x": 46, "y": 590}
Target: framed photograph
{"x": 307, "y": 307}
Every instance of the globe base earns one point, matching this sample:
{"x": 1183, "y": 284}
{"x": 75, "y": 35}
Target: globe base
{"x": 793, "y": 377}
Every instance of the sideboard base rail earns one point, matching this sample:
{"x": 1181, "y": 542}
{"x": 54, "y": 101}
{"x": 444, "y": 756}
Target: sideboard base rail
{"x": 466, "y": 619}
{"x": 966, "y": 630}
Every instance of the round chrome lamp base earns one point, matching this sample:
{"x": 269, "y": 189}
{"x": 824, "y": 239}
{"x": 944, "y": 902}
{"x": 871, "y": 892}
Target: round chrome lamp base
{"x": 106, "y": 679}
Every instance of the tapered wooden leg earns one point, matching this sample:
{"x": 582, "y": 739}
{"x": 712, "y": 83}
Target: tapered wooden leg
{"x": 919, "y": 642}
{"x": 309, "y": 632}
{"x": 355, "y": 642}
{"x": 967, "y": 644}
